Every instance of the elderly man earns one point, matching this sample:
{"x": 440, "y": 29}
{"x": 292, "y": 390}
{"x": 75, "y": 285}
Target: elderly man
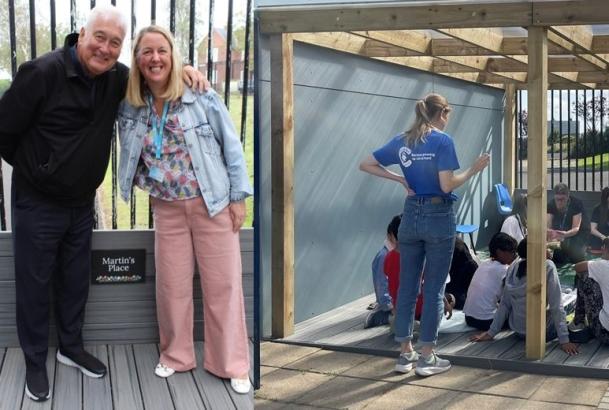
{"x": 568, "y": 224}
{"x": 56, "y": 123}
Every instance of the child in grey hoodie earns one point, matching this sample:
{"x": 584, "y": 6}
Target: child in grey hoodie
{"x": 513, "y": 304}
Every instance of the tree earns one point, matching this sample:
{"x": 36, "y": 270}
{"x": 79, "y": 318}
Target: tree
{"x": 22, "y": 35}
{"x": 182, "y": 26}
{"x": 523, "y": 120}
{"x": 592, "y": 111}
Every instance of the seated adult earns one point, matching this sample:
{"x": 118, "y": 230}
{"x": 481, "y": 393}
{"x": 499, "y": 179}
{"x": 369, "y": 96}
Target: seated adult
{"x": 513, "y": 305}
{"x": 461, "y": 272}
{"x": 486, "y": 287}
{"x": 599, "y": 222}
{"x": 515, "y": 225}
{"x": 568, "y": 225}
{"x": 592, "y": 302}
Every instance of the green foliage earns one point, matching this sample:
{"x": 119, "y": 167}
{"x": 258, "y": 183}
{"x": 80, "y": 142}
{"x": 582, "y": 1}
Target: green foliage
{"x": 4, "y": 84}
{"x": 22, "y": 35}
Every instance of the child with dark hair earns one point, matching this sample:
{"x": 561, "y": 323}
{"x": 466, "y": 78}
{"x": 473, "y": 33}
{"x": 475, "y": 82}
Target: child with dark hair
{"x": 384, "y": 303}
{"x": 515, "y": 225}
{"x": 513, "y": 304}
{"x": 486, "y": 286}
{"x": 462, "y": 269}
{"x": 592, "y": 303}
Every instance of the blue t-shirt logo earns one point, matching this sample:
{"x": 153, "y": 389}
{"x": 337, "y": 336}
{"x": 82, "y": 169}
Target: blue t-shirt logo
{"x": 405, "y": 158}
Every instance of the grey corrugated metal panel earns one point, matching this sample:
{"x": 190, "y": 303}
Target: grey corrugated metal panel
{"x": 345, "y": 107}
{"x": 321, "y": 67}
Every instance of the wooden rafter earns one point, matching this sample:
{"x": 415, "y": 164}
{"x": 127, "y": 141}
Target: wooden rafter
{"x": 430, "y": 15}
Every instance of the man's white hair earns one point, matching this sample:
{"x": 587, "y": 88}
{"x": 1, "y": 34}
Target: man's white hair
{"x": 108, "y": 12}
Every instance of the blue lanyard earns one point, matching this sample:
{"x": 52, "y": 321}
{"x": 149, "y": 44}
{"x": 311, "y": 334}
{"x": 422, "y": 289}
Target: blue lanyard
{"x": 157, "y": 128}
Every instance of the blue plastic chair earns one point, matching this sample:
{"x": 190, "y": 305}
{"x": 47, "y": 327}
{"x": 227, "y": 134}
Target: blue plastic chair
{"x": 504, "y": 200}
{"x": 468, "y": 229}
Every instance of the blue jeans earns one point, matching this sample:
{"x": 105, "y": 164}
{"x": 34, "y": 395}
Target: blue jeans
{"x": 426, "y": 239}
{"x": 379, "y": 280}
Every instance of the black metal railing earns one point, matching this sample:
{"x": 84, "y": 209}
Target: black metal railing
{"x": 578, "y": 139}
{"x": 183, "y": 15}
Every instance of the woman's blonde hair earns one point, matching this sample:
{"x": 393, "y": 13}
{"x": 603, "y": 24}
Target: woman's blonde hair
{"x": 426, "y": 110}
{"x": 136, "y": 86}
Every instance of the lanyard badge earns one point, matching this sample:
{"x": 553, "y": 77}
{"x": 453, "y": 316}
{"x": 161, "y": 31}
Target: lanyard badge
{"x": 157, "y": 132}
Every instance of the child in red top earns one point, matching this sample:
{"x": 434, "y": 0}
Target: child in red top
{"x": 392, "y": 271}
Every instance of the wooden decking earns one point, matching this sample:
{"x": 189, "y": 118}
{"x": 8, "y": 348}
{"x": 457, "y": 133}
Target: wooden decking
{"x": 342, "y": 329}
{"x": 130, "y": 384}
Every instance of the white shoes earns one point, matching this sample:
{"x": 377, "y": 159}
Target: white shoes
{"x": 241, "y": 386}
{"x": 163, "y": 371}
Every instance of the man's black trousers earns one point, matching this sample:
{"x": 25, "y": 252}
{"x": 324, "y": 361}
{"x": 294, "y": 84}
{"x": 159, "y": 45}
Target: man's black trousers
{"x": 52, "y": 248}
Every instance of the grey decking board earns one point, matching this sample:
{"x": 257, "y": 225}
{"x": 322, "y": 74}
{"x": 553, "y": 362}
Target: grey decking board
{"x": 212, "y": 389}
{"x": 155, "y": 391}
{"x": 240, "y": 401}
{"x": 184, "y": 391}
{"x": 12, "y": 380}
{"x": 67, "y": 392}
{"x": 498, "y": 347}
{"x": 97, "y": 393}
{"x": 600, "y": 358}
{"x": 126, "y": 392}
{"x": 554, "y": 354}
{"x": 586, "y": 351}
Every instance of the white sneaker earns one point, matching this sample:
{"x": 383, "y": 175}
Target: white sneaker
{"x": 241, "y": 386}
{"x": 163, "y": 371}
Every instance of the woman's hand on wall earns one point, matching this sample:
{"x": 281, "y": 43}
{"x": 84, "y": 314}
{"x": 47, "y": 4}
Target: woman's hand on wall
{"x": 237, "y": 214}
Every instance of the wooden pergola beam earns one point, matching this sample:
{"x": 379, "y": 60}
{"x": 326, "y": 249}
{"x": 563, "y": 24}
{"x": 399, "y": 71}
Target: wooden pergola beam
{"x": 536, "y": 193}
{"x": 509, "y": 135}
{"x": 430, "y": 15}
{"x": 282, "y": 179}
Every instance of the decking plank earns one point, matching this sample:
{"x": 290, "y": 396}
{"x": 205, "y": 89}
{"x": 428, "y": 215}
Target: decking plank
{"x": 126, "y": 392}
{"x": 240, "y": 401}
{"x": 184, "y": 391}
{"x": 46, "y": 405}
{"x": 554, "y": 354}
{"x": 155, "y": 391}
{"x": 500, "y": 346}
{"x": 12, "y": 380}
{"x": 213, "y": 390}
{"x": 67, "y": 394}
{"x": 586, "y": 351}
{"x": 97, "y": 393}
{"x": 457, "y": 344}
{"x": 600, "y": 358}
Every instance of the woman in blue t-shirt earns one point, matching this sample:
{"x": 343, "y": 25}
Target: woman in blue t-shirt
{"x": 427, "y": 158}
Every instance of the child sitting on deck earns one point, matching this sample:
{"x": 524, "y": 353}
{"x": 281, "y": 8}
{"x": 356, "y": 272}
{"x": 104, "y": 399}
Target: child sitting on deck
{"x": 592, "y": 292}
{"x": 462, "y": 269}
{"x": 486, "y": 286}
{"x": 383, "y": 306}
{"x": 513, "y": 304}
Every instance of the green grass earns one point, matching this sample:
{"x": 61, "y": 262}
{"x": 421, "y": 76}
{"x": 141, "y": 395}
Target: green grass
{"x": 141, "y": 198}
{"x": 604, "y": 158}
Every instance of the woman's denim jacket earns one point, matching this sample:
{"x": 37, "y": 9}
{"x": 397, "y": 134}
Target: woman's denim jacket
{"x": 213, "y": 145}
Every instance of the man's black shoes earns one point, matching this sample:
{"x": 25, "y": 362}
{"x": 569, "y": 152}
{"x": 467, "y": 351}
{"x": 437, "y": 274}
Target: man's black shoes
{"x": 88, "y": 364}
{"x": 37, "y": 384}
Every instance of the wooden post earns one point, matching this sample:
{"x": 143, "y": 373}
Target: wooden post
{"x": 537, "y": 201}
{"x": 509, "y": 128}
{"x": 282, "y": 180}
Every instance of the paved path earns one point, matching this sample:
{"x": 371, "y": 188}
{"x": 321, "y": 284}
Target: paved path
{"x": 295, "y": 377}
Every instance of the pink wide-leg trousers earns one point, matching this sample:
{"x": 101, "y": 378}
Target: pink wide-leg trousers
{"x": 184, "y": 232}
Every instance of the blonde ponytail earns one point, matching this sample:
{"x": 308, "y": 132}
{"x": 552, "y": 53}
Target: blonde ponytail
{"x": 426, "y": 110}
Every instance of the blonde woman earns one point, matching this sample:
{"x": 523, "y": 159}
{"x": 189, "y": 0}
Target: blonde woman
{"x": 427, "y": 158}
{"x": 182, "y": 149}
